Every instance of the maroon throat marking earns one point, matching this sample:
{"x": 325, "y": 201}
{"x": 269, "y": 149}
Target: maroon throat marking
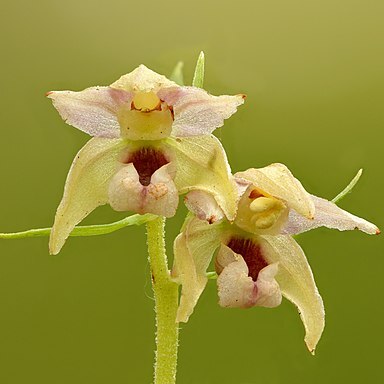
{"x": 251, "y": 254}
{"x": 146, "y": 162}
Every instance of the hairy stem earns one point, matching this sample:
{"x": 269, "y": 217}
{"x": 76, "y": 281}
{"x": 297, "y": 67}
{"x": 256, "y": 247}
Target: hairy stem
{"x": 166, "y": 301}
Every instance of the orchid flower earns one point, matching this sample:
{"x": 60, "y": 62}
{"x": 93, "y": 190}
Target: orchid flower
{"x": 258, "y": 261}
{"x": 152, "y": 141}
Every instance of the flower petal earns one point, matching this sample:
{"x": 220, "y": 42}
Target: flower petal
{"x": 196, "y": 111}
{"x": 160, "y": 197}
{"x": 268, "y": 290}
{"x": 278, "y": 181}
{"x": 125, "y": 190}
{"x": 142, "y": 79}
{"x": 193, "y": 250}
{"x": 86, "y": 187}
{"x": 93, "y": 110}
{"x": 297, "y": 284}
{"x": 329, "y": 215}
{"x": 237, "y": 290}
{"x": 204, "y": 206}
{"x": 202, "y": 165}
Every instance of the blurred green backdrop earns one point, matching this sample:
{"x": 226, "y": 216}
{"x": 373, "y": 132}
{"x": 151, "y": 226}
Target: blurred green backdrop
{"x": 313, "y": 73}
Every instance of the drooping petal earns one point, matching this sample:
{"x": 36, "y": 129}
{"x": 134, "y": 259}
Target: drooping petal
{"x": 297, "y": 284}
{"x": 237, "y": 289}
{"x": 142, "y": 79}
{"x": 93, "y": 110}
{"x": 86, "y": 187}
{"x": 196, "y": 111}
{"x": 278, "y": 181}
{"x": 204, "y": 206}
{"x": 329, "y": 215}
{"x": 160, "y": 197}
{"x": 193, "y": 250}
{"x": 202, "y": 165}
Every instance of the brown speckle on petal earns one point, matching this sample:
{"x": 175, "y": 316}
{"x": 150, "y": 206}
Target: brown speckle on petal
{"x": 157, "y": 190}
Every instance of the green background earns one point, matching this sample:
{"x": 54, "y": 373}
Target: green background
{"x": 313, "y": 73}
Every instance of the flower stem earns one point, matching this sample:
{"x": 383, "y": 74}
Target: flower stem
{"x": 166, "y": 302}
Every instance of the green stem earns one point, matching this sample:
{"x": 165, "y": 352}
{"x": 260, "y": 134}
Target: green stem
{"x": 166, "y": 302}
{"x": 87, "y": 230}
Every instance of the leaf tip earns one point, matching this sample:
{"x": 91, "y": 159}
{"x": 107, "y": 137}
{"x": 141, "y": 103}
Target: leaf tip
{"x": 198, "y": 76}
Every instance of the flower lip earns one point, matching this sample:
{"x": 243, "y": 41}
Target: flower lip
{"x": 147, "y": 161}
{"x": 251, "y": 253}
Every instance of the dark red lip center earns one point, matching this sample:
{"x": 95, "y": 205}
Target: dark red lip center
{"x": 146, "y": 162}
{"x": 251, "y": 254}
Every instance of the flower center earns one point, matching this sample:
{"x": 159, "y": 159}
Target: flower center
{"x": 147, "y": 117}
{"x": 251, "y": 254}
{"x": 259, "y": 211}
{"x": 146, "y": 101}
{"x": 146, "y": 161}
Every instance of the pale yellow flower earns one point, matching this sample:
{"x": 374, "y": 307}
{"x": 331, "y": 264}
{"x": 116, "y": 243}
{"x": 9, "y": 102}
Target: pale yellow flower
{"x": 257, "y": 260}
{"x": 152, "y": 142}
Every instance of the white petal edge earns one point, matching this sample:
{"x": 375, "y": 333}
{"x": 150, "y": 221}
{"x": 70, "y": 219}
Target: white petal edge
{"x": 86, "y": 187}
{"x": 297, "y": 284}
{"x": 328, "y": 214}
{"x": 93, "y": 110}
{"x": 197, "y": 112}
{"x": 278, "y": 181}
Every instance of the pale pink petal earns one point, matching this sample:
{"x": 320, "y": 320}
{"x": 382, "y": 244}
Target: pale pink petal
{"x": 296, "y": 283}
{"x": 237, "y": 290}
{"x": 125, "y": 190}
{"x": 93, "y": 110}
{"x": 162, "y": 194}
{"x": 268, "y": 290}
{"x": 204, "y": 206}
{"x": 196, "y": 111}
{"x": 193, "y": 250}
{"x": 160, "y": 197}
{"x": 329, "y": 215}
{"x": 142, "y": 79}
{"x": 86, "y": 186}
